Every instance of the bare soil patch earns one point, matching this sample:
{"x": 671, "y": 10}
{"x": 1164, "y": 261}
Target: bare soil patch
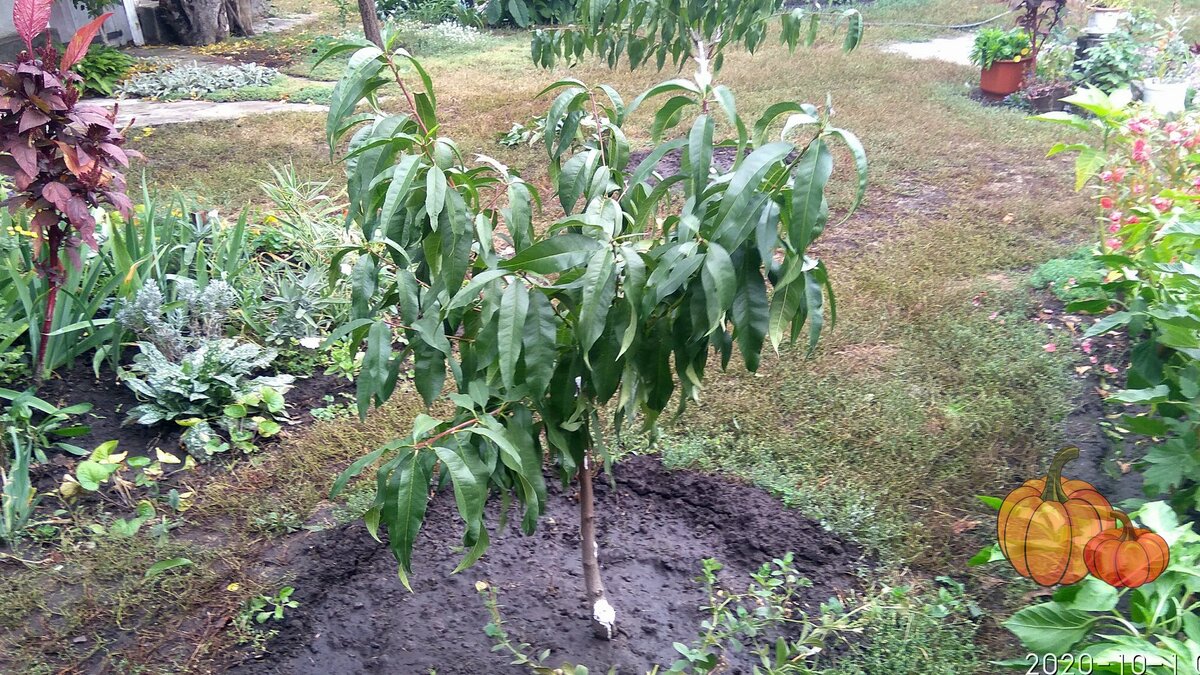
{"x": 355, "y": 616}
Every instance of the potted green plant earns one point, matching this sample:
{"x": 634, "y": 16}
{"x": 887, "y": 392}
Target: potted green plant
{"x": 1170, "y": 66}
{"x": 1104, "y": 16}
{"x": 1051, "y": 79}
{"x": 1000, "y": 54}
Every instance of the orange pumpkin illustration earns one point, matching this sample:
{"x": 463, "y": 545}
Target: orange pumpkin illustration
{"x": 1126, "y": 557}
{"x": 1045, "y": 524}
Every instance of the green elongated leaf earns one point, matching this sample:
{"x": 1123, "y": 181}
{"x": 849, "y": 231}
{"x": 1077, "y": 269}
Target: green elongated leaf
{"x": 1159, "y": 394}
{"x": 770, "y": 115}
{"x": 679, "y": 84}
{"x": 809, "y": 208}
{"x": 398, "y": 189}
{"x": 361, "y": 79}
{"x": 405, "y": 499}
{"x": 599, "y": 287}
{"x": 164, "y": 565}
{"x": 374, "y": 375}
{"x": 520, "y": 215}
{"x": 514, "y": 305}
{"x": 700, "y": 149}
{"x": 540, "y": 344}
{"x": 992, "y": 503}
{"x": 429, "y": 370}
{"x": 470, "y": 292}
{"x": 470, "y": 489}
{"x": 575, "y": 176}
{"x": 553, "y": 254}
{"x": 650, "y": 163}
{"x": 741, "y": 198}
{"x": 1050, "y": 628}
{"x": 861, "y": 167}
{"x": 749, "y": 311}
{"x": 729, "y": 107}
{"x": 785, "y": 303}
{"x": 815, "y": 282}
{"x": 363, "y": 280}
{"x": 719, "y": 282}
{"x": 986, "y": 555}
{"x": 1110, "y": 322}
{"x": 668, "y": 116}
{"x": 435, "y": 193}
{"x": 519, "y": 11}
{"x": 357, "y": 467}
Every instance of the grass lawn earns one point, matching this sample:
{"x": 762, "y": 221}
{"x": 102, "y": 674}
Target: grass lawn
{"x": 933, "y": 386}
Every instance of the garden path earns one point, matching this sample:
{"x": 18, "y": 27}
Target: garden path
{"x": 143, "y": 112}
{"x": 952, "y": 49}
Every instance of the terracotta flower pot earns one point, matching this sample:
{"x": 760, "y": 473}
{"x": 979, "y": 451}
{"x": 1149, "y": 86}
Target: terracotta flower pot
{"x": 1003, "y": 78}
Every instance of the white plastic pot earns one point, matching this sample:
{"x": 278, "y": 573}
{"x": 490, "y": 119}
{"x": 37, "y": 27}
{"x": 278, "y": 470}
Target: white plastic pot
{"x": 1164, "y": 97}
{"x": 1104, "y": 20}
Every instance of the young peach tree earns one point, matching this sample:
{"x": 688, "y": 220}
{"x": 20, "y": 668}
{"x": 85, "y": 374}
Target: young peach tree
{"x": 614, "y": 308}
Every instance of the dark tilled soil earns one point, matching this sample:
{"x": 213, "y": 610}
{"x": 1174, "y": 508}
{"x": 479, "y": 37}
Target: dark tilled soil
{"x": 356, "y": 617}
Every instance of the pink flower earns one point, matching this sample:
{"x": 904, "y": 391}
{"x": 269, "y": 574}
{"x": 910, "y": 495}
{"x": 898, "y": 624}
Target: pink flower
{"x": 1110, "y": 369}
{"x": 1093, "y": 359}
{"x": 1140, "y": 125}
{"x": 1141, "y": 151}
{"x": 1132, "y": 220}
{"x": 1161, "y": 203}
{"x": 1106, "y": 202}
{"x": 1119, "y": 174}
{"x": 1050, "y": 347}
{"x": 1113, "y": 228}
{"x": 1113, "y": 243}
{"x": 1138, "y": 188}
{"x": 1086, "y": 346}
{"x": 1116, "y": 216}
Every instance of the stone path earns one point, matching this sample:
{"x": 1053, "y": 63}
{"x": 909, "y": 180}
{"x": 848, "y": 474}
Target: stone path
{"x": 953, "y": 50}
{"x": 145, "y": 113}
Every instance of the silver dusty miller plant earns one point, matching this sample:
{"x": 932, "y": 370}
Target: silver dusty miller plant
{"x": 194, "y": 80}
{"x": 188, "y": 372}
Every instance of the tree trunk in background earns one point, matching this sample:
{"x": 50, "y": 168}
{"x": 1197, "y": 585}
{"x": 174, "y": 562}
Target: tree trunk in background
{"x": 241, "y": 17}
{"x": 194, "y": 22}
{"x": 370, "y": 20}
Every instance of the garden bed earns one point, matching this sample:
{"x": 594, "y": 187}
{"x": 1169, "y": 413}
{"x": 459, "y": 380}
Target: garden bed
{"x": 656, "y": 527}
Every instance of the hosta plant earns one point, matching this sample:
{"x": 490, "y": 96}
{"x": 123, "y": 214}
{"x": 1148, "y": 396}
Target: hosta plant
{"x": 616, "y": 307}
{"x": 64, "y": 158}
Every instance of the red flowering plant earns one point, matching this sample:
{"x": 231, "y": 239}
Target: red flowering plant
{"x": 63, "y": 158}
{"x": 1146, "y": 177}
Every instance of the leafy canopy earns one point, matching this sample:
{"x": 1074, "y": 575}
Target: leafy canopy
{"x": 618, "y": 305}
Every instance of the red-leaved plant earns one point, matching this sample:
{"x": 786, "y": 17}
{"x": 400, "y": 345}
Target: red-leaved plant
{"x": 63, "y": 157}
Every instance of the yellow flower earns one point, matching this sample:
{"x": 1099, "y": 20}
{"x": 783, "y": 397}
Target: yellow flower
{"x": 1018, "y": 59}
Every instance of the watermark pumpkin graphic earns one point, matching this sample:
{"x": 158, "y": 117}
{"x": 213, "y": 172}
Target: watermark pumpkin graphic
{"x": 1045, "y": 525}
{"x": 1128, "y": 556}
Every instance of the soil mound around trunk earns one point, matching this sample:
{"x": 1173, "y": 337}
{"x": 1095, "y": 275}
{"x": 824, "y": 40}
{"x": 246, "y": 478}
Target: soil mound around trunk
{"x": 654, "y": 528}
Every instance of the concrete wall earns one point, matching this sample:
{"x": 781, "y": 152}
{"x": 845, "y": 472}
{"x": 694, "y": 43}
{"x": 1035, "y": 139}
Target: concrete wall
{"x": 65, "y": 19}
